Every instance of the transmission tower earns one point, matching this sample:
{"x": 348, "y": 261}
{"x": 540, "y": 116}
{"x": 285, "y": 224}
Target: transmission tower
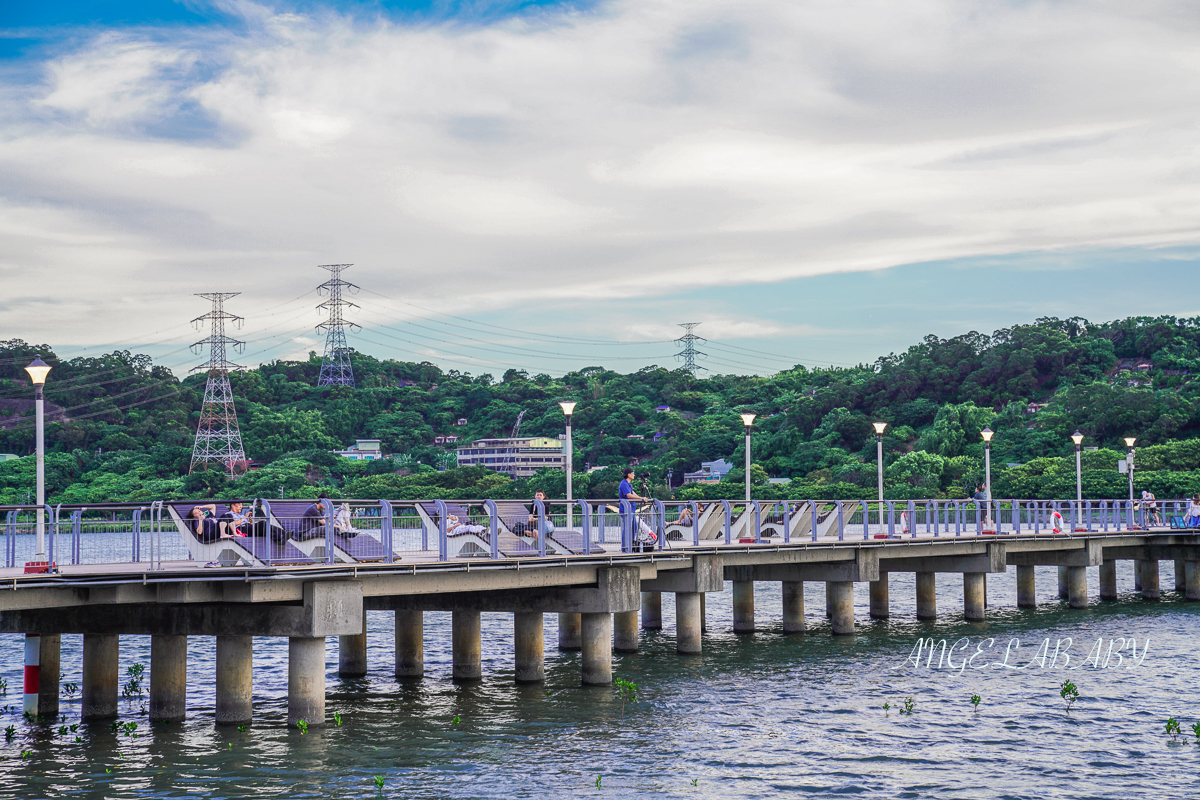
{"x": 335, "y": 366}
{"x": 218, "y": 439}
{"x": 688, "y": 343}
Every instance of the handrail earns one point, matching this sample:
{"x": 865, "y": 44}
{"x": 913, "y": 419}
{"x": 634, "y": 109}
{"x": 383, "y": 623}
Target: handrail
{"x": 728, "y": 521}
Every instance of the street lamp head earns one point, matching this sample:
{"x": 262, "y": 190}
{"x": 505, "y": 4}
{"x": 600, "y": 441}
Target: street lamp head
{"x": 568, "y": 407}
{"x": 1077, "y": 438}
{"x": 879, "y": 427}
{"x": 38, "y": 371}
{"x": 748, "y": 419}
{"x": 1129, "y": 440}
{"x": 987, "y": 434}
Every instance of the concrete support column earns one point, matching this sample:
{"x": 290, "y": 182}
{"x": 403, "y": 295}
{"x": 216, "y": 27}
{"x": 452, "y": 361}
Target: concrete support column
{"x": 1026, "y": 587}
{"x": 841, "y": 594}
{"x": 410, "y": 644}
{"x": 1063, "y": 591}
{"x": 703, "y": 612}
{"x": 926, "y": 595}
{"x": 1150, "y": 580}
{"x": 651, "y": 611}
{"x": 597, "y": 649}
{"x": 687, "y": 622}
{"x": 569, "y": 631}
{"x": 352, "y": 653}
{"x": 1137, "y": 574}
{"x": 743, "y": 606}
{"x": 1077, "y": 594}
{"x": 1192, "y": 576}
{"x": 101, "y": 654}
{"x": 466, "y": 646}
{"x": 168, "y": 677}
{"x": 793, "y": 606}
{"x": 1108, "y": 580}
{"x": 625, "y": 631}
{"x": 529, "y": 646}
{"x": 235, "y": 679}
{"x": 51, "y": 664}
{"x": 306, "y": 680}
{"x": 879, "y": 597}
{"x": 1180, "y": 576}
{"x": 973, "y": 609}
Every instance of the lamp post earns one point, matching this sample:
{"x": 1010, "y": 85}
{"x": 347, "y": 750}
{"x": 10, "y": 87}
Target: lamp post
{"x": 880, "y": 427}
{"x": 1077, "y": 438}
{"x": 1129, "y": 441}
{"x": 748, "y": 420}
{"x": 568, "y": 407}
{"x": 37, "y": 374}
{"x": 987, "y": 434}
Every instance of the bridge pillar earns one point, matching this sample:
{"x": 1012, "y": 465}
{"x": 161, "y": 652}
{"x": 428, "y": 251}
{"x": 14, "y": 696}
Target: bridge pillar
{"x": 528, "y": 643}
{"x": 1137, "y": 574}
{"x": 306, "y": 680}
{"x": 235, "y": 680}
{"x": 1063, "y": 591}
{"x": 1077, "y": 590}
{"x": 687, "y": 622}
{"x": 793, "y": 606}
{"x": 926, "y": 595}
{"x": 973, "y": 589}
{"x": 569, "y": 631}
{"x": 352, "y": 653}
{"x": 1108, "y": 580}
{"x": 410, "y": 644}
{"x": 879, "y": 597}
{"x": 168, "y": 677}
{"x": 1150, "y": 589}
{"x": 1026, "y": 586}
{"x": 466, "y": 646}
{"x": 597, "y": 649}
{"x": 1192, "y": 574}
{"x": 50, "y": 659}
{"x": 743, "y": 606}
{"x": 625, "y": 631}
{"x": 101, "y": 655}
{"x": 1180, "y": 575}
{"x": 842, "y": 595}
{"x": 651, "y": 611}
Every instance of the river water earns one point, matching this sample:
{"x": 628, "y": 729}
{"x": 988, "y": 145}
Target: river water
{"x": 760, "y": 715}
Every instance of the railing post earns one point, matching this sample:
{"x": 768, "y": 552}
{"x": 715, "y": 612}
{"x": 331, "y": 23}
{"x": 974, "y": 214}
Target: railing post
{"x": 757, "y": 522}
{"x": 137, "y": 535}
{"x": 387, "y": 531}
{"x": 695, "y": 523}
{"x": 628, "y": 517}
{"x": 493, "y": 529}
{"x": 660, "y": 527}
{"x": 586, "y": 512}
{"x": 728, "y": 522}
{"x": 891, "y": 518}
{"x": 329, "y": 512}
{"x": 76, "y": 534}
{"x": 440, "y": 505}
{"x": 540, "y": 509}
{"x": 787, "y": 522}
{"x": 841, "y": 520}
{"x": 262, "y": 551}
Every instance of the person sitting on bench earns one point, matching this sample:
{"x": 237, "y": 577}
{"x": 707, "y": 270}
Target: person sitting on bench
{"x": 455, "y": 526}
{"x": 312, "y": 523}
{"x": 204, "y": 523}
{"x": 548, "y": 527}
{"x": 341, "y": 522}
{"x": 1193, "y": 513}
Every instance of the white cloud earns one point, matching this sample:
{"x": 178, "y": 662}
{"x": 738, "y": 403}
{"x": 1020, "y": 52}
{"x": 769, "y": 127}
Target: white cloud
{"x": 634, "y": 150}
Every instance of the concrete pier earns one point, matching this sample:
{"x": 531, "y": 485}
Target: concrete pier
{"x": 687, "y": 622}
{"x": 651, "y": 611}
{"x": 1192, "y": 580}
{"x": 50, "y": 651}
{"x": 1137, "y": 574}
{"x": 1026, "y": 587}
{"x": 1150, "y": 590}
{"x": 625, "y": 631}
{"x": 101, "y": 657}
{"x": 1108, "y": 580}
{"x": 410, "y": 644}
{"x": 168, "y": 677}
{"x": 466, "y": 646}
{"x": 352, "y": 653}
{"x": 235, "y": 680}
{"x": 926, "y": 595}
{"x": 841, "y": 594}
{"x": 793, "y": 606}
{"x": 569, "y": 632}
{"x": 529, "y": 647}
{"x": 879, "y": 597}
{"x": 1180, "y": 576}
{"x": 597, "y": 649}
{"x": 743, "y": 606}
{"x": 306, "y": 680}
{"x": 973, "y": 590}
{"x": 1063, "y": 591}
{"x": 1077, "y": 589}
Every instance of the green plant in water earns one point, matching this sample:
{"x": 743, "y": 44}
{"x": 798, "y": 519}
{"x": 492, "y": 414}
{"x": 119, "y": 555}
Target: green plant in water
{"x": 231, "y": 745}
{"x": 628, "y": 691}
{"x": 74, "y": 728}
{"x": 71, "y": 689}
{"x": 133, "y": 687}
{"x": 1196, "y": 731}
{"x": 599, "y": 778}
{"x": 303, "y": 726}
{"x": 695, "y": 781}
{"x": 129, "y": 729}
{"x": 62, "y": 730}
{"x": 908, "y": 706}
{"x": 242, "y": 728}
{"x": 26, "y": 753}
{"x": 378, "y": 781}
{"x": 4, "y": 686}
{"x": 114, "y": 726}
{"x": 10, "y": 732}
{"x": 456, "y": 720}
{"x": 1069, "y": 693}
{"x": 975, "y": 700}
{"x": 1173, "y": 729}
{"x": 886, "y": 707}
{"x": 337, "y": 719}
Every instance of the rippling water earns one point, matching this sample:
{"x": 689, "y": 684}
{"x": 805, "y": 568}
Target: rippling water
{"x": 757, "y": 715}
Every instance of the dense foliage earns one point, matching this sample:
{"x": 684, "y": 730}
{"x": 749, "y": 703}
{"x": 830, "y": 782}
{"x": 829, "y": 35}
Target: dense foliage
{"x": 121, "y": 428}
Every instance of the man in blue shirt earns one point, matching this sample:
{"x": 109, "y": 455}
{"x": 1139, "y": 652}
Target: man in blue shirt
{"x": 625, "y": 492}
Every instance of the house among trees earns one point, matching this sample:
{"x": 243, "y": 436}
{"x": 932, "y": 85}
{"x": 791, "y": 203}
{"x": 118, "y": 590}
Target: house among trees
{"x": 710, "y": 472}
{"x": 461, "y": 421}
{"x": 450, "y": 439}
{"x": 362, "y": 450}
{"x": 520, "y": 457}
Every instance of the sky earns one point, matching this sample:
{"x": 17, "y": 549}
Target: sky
{"x": 552, "y": 185}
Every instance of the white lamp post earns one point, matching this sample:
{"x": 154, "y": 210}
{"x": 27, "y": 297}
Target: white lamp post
{"x": 568, "y": 407}
{"x": 1129, "y": 441}
{"x": 37, "y": 374}
{"x": 748, "y": 420}
{"x": 880, "y": 427}
{"x": 987, "y": 471}
{"x": 1077, "y": 438}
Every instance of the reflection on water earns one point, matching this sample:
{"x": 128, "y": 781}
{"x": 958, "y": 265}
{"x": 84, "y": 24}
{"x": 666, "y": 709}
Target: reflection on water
{"x": 759, "y": 715}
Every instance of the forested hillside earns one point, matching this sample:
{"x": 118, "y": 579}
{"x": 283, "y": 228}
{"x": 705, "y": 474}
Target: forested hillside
{"x": 121, "y": 428}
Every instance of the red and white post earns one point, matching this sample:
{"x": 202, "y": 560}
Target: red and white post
{"x": 33, "y": 671}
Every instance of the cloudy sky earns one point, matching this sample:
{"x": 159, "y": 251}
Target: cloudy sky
{"x": 553, "y": 185}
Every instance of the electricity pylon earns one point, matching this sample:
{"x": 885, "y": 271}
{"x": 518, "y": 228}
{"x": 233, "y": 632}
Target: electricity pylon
{"x": 218, "y": 439}
{"x": 335, "y": 365}
{"x": 688, "y": 343}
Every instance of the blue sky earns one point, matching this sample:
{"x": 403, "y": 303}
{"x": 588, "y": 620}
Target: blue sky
{"x": 519, "y": 183}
